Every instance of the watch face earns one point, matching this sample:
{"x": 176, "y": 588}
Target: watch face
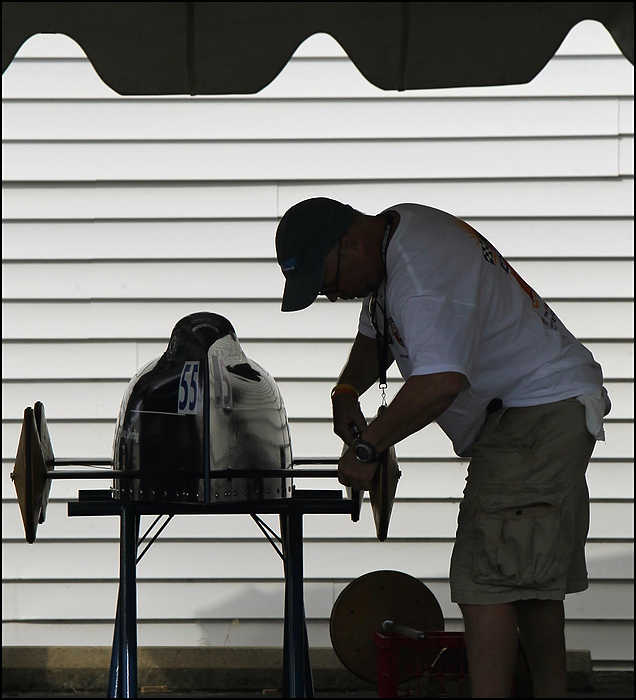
{"x": 363, "y": 452}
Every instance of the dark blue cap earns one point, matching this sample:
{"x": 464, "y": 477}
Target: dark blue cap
{"x": 304, "y": 237}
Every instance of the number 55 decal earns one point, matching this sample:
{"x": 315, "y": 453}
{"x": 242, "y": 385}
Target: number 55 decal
{"x": 189, "y": 394}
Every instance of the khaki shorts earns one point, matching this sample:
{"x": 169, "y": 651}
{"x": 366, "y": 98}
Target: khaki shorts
{"x": 524, "y": 518}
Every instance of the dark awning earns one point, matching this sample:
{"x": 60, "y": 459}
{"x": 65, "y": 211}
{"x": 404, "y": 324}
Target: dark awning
{"x": 217, "y": 48}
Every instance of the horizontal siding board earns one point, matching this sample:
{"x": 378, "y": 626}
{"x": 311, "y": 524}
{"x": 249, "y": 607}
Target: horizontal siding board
{"x": 610, "y": 480}
{"x": 626, "y": 115}
{"x": 153, "y": 319}
{"x": 612, "y": 197}
{"x": 626, "y": 155}
{"x": 322, "y": 119}
{"x": 409, "y": 519}
{"x": 314, "y": 160}
{"x": 255, "y": 599}
{"x": 51, "y": 240}
{"x": 421, "y": 480}
{"x": 307, "y": 400}
{"x": 71, "y": 360}
{"x": 139, "y": 201}
{"x": 263, "y": 320}
{"x": 191, "y": 279}
{"x": 587, "y": 37}
{"x": 283, "y": 359}
{"x": 223, "y": 601}
{"x": 65, "y": 488}
{"x": 309, "y": 439}
{"x": 85, "y": 400}
{"x": 253, "y": 239}
{"x": 607, "y": 641}
{"x": 611, "y": 601}
{"x": 329, "y": 78}
{"x": 218, "y": 560}
{"x": 250, "y": 280}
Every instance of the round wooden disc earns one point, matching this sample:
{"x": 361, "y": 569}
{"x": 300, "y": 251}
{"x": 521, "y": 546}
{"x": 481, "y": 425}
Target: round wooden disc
{"x": 47, "y": 454}
{"x": 382, "y": 492}
{"x": 29, "y": 475}
{"x": 362, "y": 607}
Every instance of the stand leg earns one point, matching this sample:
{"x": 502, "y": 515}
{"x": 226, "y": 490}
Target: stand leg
{"x": 128, "y": 599}
{"x": 299, "y": 683}
{"x": 283, "y": 537}
{"x": 114, "y": 676}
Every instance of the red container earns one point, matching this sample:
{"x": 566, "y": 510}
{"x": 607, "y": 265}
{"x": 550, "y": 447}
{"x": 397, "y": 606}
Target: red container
{"x": 435, "y": 660}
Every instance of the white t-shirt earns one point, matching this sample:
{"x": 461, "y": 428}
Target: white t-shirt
{"x": 456, "y": 305}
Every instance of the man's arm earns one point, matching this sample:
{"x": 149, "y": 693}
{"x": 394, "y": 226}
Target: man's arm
{"x": 361, "y": 369}
{"x": 421, "y": 400}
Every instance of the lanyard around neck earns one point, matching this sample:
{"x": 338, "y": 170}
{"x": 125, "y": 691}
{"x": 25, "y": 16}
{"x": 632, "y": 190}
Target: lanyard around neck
{"x": 385, "y": 245}
{"x": 383, "y": 342}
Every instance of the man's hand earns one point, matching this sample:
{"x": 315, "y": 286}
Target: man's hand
{"x": 356, "y": 474}
{"x": 346, "y": 412}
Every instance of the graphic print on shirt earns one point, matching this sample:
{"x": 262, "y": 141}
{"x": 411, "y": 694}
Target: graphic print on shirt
{"x": 395, "y": 333}
{"x": 494, "y": 257}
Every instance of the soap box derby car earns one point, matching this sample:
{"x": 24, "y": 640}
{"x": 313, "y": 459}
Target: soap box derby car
{"x": 202, "y": 423}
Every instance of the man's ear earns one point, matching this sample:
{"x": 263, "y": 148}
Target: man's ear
{"x": 352, "y": 243}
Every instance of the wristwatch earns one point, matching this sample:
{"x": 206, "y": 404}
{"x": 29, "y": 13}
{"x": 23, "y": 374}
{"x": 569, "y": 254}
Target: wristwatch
{"x": 364, "y": 451}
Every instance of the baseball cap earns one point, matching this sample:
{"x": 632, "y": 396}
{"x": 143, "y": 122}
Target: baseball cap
{"x": 304, "y": 237}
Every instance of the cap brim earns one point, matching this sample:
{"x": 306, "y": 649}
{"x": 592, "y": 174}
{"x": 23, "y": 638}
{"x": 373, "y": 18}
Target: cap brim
{"x": 302, "y": 288}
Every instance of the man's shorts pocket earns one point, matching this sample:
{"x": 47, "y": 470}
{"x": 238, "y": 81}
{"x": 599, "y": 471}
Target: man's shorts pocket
{"x": 521, "y": 545}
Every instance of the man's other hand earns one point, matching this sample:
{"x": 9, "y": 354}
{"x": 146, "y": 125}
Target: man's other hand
{"x": 356, "y": 474}
{"x": 346, "y": 413}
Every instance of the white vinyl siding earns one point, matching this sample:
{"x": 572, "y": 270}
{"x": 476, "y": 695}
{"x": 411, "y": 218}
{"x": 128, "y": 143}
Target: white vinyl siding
{"x": 121, "y": 215}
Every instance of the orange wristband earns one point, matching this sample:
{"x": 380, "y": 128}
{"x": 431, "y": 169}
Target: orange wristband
{"x": 344, "y": 388}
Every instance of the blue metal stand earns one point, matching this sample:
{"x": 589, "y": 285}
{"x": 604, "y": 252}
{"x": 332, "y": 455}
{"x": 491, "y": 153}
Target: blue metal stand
{"x": 122, "y": 679}
{"x": 297, "y": 676}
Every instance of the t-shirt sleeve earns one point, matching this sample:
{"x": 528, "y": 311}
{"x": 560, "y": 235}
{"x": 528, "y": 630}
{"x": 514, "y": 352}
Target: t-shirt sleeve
{"x": 440, "y": 334}
{"x": 364, "y": 322}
